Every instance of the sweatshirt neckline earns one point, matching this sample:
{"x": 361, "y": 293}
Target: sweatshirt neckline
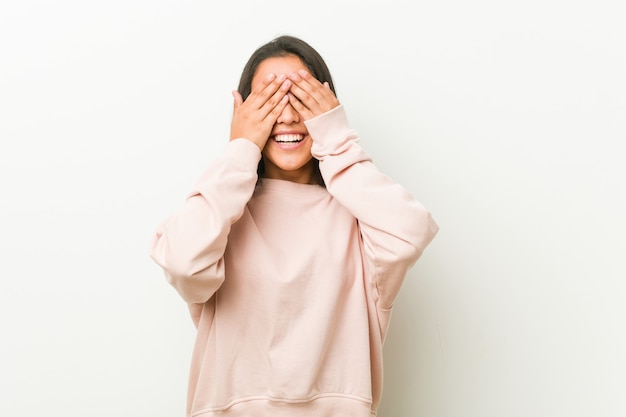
{"x": 272, "y": 184}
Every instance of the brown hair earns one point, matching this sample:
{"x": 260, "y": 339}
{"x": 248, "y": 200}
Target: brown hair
{"x": 285, "y": 45}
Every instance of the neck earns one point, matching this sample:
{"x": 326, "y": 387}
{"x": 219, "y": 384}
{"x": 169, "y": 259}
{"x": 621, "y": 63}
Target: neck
{"x": 307, "y": 174}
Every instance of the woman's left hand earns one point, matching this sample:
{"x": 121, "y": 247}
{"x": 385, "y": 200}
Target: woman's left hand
{"x": 310, "y": 97}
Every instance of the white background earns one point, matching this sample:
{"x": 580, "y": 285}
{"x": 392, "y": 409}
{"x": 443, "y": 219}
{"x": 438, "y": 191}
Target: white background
{"x": 506, "y": 119}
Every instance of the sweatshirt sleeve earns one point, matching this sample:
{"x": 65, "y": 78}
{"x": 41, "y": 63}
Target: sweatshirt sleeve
{"x": 394, "y": 226}
{"x": 190, "y": 244}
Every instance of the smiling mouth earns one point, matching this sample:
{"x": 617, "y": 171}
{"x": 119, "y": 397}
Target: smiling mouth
{"x": 288, "y": 138}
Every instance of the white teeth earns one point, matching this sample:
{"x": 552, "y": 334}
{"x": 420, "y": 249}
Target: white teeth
{"x": 288, "y": 138}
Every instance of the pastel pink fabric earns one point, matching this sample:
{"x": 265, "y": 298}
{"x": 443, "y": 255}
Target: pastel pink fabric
{"x": 290, "y": 285}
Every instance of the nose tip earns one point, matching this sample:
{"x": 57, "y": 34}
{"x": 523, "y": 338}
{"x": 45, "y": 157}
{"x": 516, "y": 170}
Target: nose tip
{"x": 289, "y": 115}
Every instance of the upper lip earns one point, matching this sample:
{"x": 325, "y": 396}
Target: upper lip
{"x": 288, "y": 132}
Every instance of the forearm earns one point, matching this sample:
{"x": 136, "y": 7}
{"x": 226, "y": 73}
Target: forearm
{"x": 190, "y": 245}
{"x": 395, "y": 227}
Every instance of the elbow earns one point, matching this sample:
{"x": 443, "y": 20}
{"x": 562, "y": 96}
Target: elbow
{"x": 195, "y": 289}
{"x": 423, "y": 230}
{"x": 193, "y": 280}
{"x": 408, "y": 241}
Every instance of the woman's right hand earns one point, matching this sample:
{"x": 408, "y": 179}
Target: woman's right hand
{"x": 254, "y": 118}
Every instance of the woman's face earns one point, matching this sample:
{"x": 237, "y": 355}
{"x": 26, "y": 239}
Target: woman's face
{"x": 287, "y": 153}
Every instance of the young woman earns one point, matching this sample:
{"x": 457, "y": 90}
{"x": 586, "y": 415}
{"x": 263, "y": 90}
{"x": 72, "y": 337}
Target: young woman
{"x": 290, "y": 252}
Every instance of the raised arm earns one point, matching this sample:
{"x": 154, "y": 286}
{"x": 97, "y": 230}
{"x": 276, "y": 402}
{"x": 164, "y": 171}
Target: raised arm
{"x": 190, "y": 245}
{"x": 395, "y": 227}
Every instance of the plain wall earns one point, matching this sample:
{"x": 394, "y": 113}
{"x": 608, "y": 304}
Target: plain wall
{"x": 506, "y": 119}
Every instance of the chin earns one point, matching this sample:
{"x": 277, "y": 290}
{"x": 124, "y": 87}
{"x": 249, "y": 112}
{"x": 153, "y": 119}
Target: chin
{"x": 287, "y": 168}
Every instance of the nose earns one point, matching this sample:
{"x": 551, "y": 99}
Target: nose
{"x": 289, "y": 115}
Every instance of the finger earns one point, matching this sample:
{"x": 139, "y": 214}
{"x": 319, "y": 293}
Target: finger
{"x": 305, "y": 98}
{"x": 312, "y": 84}
{"x": 304, "y": 85}
{"x": 312, "y": 93}
{"x": 319, "y": 92}
{"x": 276, "y": 98}
{"x": 266, "y": 81}
{"x": 270, "y": 85}
{"x": 277, "y": 110}
{"x": 302, "y": 93}
{"x": 270, "y": 119}
{"x": 299, "y": 107}
{"x": 238, "y": 100}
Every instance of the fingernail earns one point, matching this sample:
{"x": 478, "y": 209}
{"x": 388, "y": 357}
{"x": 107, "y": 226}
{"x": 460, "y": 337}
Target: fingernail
{"x": 303, "y": 72}
{"x": 270, "y": 76}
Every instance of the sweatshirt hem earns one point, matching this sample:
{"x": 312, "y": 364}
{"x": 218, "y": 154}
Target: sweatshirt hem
{"x": 327, "y": 405}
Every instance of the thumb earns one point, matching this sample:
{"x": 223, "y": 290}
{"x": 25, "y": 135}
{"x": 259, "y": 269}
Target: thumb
{"x": 238, "y": 100}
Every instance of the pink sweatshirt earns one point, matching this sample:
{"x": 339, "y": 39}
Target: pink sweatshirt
{"x": 291, "y": 285}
